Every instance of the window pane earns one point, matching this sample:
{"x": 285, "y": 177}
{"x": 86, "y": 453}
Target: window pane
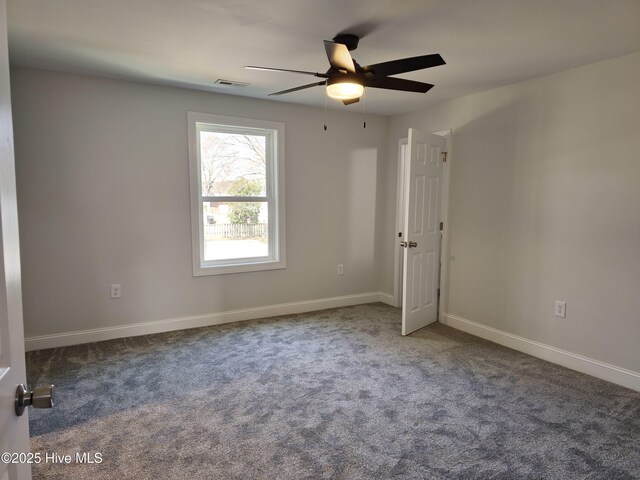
{"x": 235, "y": 230}
{"x": 232, "y": 164}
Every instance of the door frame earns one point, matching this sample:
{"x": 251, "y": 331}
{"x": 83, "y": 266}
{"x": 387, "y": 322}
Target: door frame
{"x": 399, "y": 227}
{"x": 444, "y": 215}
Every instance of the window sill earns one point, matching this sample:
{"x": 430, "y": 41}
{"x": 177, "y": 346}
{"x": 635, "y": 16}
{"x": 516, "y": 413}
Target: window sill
{"x": 204, "y": 271}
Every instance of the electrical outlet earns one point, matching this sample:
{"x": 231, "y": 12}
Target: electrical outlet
{"x": 561, "y": 309}
{"x": 116, "y": 290}
{"x": 340, "y": 269}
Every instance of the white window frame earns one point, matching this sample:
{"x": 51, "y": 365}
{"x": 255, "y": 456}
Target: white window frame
{"x": 274, "y": 197}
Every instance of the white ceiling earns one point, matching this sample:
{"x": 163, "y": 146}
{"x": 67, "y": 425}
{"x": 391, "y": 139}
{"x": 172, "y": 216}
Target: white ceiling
{"x": 191, "y": 43}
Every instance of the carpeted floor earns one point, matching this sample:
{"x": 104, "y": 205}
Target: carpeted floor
{"x": 332, "y": 394}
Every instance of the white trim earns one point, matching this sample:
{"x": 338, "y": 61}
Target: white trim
{"x": 275, "y": 195}
{"x": 388, "y": 299}
{"x": 444, "y": 245}
{"x": 168, "y": 325}
{"x": 398, "y": 251}
{"x": 580, "y": 363}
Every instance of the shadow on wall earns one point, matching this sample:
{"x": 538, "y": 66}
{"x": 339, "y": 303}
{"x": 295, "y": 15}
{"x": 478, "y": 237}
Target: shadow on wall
{"x": 500, "y": 212}
{"x": 361, "y": 210}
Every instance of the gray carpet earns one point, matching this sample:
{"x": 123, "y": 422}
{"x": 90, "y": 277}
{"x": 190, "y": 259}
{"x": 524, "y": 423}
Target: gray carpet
{"x": 332, "y": 394}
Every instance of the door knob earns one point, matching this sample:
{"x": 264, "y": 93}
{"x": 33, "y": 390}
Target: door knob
{"x": 412, "y": 244}
{"x": 41, "y": 397}
{"x": 403, "y": 244}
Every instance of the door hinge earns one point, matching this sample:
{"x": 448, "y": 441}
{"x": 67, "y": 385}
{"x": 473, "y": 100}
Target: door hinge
{"x": 438, "y": 293}
{"x": 441, "y": 226}
{"x": 444, "y": 157}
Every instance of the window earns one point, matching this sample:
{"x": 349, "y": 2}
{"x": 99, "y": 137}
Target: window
{"x": 236, "y": 168}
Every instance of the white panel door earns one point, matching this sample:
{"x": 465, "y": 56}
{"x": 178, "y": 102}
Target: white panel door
{"x": 423, "y": 181}
{"x": 14, "y": 434}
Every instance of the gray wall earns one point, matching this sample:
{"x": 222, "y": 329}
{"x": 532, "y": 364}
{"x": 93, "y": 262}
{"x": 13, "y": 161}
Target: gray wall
{"x": 544, "y": 206}
{"x": 103, "y": 194}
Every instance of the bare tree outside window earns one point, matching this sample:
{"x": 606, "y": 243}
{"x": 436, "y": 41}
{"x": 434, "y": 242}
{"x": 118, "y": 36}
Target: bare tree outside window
{"x": 228, "y": 157}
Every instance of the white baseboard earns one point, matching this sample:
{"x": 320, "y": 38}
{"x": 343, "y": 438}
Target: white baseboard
{"x": 387, "y": 298}
{"x": 168, "y": 325}
{"x": 595, "y": 368}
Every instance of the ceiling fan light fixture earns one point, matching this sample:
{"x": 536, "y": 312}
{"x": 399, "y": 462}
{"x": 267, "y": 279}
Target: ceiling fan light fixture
{"x": 344, "y": 89}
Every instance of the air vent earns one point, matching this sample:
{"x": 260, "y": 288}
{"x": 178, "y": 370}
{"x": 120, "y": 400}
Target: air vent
{"x": 230, "y": 83}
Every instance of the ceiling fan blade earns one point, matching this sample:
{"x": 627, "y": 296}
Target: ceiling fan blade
{"x": 390, "y": 83}
{"x": 269, "y": 69}
{"x": 350, "y": 101}
{"x": 404, "y": 65}
{"x": 297, "y": 88}
{"x": 339, "y": 56}
{"x": 362, "y": 29}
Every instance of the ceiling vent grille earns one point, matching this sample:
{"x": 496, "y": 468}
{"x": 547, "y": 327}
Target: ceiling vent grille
{"x": 230, "y": 83}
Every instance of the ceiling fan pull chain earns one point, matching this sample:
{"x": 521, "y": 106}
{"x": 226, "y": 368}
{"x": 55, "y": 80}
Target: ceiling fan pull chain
{"x": 364, "y": 108}
{"x": 325, "y": 112}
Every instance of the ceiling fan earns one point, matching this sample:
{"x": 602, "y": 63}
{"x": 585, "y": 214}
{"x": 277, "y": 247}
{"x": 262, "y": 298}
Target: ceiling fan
{"x": 346, "y": 79}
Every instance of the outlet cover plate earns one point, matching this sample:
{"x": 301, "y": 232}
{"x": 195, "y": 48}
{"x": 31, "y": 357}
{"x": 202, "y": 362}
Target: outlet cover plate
{"x": 116, "y": 290}
{"x": 561, "y": 309}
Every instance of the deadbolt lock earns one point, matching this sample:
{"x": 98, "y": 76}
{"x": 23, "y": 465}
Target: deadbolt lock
{"x": 41, "y": 397}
